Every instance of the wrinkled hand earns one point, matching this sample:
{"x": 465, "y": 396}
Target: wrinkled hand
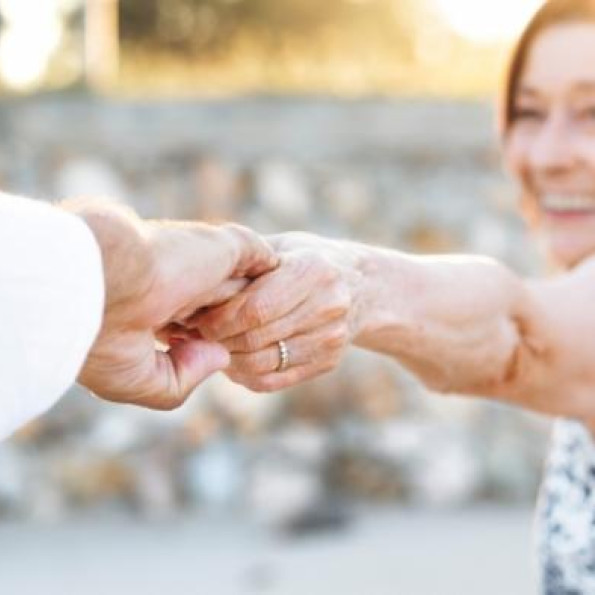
{"x": 309, "y": 301}
{"x": 157, "y": 275}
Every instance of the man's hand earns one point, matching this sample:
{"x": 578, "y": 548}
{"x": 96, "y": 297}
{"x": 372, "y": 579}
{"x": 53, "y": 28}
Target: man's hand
{"x": 158, "y": 274}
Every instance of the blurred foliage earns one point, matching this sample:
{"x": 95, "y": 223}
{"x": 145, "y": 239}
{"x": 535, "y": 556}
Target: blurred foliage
{"x": 208, "y": 27}
{"x": 345, "y": 47}
{"x": 222, "y": 47}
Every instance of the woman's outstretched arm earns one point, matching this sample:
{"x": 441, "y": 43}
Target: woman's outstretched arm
{"x": 462, "y": 324}
{"x": 469, "y": 325}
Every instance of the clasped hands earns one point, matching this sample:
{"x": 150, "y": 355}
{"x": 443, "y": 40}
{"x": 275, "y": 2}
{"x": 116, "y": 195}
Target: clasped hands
{"x": 218, "y": 298}
{"x": 306, "y": 307}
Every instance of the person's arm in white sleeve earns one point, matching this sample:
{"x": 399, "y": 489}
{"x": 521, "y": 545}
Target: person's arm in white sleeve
{"x": 87, "y": 288}
{"x": 51, "y": 305}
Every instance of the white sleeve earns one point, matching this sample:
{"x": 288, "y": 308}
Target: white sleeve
{"x": 51, "y": 305}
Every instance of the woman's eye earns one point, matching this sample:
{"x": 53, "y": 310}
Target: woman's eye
{"x": 528, "y": 113}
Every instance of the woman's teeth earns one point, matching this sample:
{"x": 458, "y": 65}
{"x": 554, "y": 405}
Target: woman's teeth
{"x": 568, "y": 202}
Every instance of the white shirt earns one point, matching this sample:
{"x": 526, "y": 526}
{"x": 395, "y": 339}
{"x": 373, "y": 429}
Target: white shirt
{"x": 51, "y": 305}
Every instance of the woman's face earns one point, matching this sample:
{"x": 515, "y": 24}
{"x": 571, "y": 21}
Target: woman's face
{"x": 551, "y": 143}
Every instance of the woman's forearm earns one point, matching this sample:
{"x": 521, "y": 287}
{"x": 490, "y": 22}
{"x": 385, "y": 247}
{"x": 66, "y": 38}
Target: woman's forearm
{"x": 460, "y": 323}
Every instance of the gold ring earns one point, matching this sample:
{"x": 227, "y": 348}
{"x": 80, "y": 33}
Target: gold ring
{"x": 283, "y": 356}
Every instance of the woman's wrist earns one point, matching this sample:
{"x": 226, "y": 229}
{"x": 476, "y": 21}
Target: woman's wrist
{"x": 383, "y": 299}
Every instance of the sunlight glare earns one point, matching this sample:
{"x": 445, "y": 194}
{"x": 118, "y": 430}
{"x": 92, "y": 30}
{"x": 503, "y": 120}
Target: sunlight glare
{"x": 485, "y": 22}
{"x": 30, "y": 34}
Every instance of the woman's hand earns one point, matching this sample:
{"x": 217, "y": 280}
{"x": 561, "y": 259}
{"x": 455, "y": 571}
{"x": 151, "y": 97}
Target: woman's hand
{"x": 309, "y": 302}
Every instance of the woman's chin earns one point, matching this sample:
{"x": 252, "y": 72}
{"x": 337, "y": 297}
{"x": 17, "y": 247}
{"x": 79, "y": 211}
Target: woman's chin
{"x": 567, "y": 252}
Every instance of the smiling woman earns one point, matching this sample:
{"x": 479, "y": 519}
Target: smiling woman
{"x": 465, "y": 324}
{"x": 486, "y": 22}
{"x": 551, "y": 139}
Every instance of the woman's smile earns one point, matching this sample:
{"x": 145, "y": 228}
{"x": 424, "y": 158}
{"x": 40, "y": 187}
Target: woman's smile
{"x": 567, "y": 204}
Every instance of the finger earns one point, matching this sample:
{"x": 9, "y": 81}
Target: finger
{"x": 310, "y": 315}
{"x": 282, "y": 242}
{"x": 180, "y": 370}
{"x": 157, "y": 380}
{"x": 276, "y": 381}
{"x": 221, "y": 295}
{"x": 277, "y": 241}
{"x": 227, "y": 290}
{"x": 256, "y": 256}
{"x": 195, "y": 259}
{"x": 320, "y": 348}
{"x": 265, "y": 300}
{"x": 260, "y": 362}
{"x": 217, "y": 296}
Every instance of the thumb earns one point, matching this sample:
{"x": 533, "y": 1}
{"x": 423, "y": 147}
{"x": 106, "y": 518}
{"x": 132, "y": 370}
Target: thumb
{"x": 186, "y": 365}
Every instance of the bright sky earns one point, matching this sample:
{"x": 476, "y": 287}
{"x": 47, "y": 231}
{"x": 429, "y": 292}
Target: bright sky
{"x": 487, "y": 21}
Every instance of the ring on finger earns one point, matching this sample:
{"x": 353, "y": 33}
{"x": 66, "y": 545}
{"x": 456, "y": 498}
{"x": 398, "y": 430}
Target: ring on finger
{"x": 283, "y": 356}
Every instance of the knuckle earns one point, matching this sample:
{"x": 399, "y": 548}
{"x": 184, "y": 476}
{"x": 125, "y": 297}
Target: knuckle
{"x": 209, "y": 332}
{"x": 331, "y": 274}
{"x": 327, "y": 366}
{"x": 308, "y": 263}
{"x": 339, "y": 299}
{"x": 323, "y": 270}
{"x": 327, "y": 271}
{"x": 252, "y": 341}
{"x": 257, "y": 311}
{"x": 235, "y": 376}
{"x": 267, "y": 362}
{"x": 236, "y": 344}
{"x": 234, "y": 368}
{"x": 250, "y": 364}
{"x": 336, "y": 339}
{"x": 267, "y": 384}
{"x": 337, "y": 309}
{"x": 256, "y": 385}
{"x": 212, "y": 322}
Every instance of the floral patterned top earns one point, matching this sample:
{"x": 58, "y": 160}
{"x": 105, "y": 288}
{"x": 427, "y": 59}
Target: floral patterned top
{"x": 566, "y": 513}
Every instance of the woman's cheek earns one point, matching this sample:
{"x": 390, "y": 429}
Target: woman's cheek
{"x": 586, "y": 149}
{"x": 517, "y": 149}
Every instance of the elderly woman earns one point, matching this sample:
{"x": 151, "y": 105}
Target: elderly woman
{"x": 468, "y": 324}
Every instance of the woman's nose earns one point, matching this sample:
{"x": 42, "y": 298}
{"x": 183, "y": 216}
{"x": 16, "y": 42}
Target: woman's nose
{"x": 554, "y": 148}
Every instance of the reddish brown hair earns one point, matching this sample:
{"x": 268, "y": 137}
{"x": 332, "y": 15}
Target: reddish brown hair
{"x": 553, "y": 12}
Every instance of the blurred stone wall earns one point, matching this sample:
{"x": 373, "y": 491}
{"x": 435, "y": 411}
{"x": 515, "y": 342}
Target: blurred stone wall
{"x": 418, "y": 175}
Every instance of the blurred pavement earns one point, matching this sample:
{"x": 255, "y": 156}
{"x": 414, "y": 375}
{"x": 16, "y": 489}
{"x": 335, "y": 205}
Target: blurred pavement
{"x": 483, "y": 550}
